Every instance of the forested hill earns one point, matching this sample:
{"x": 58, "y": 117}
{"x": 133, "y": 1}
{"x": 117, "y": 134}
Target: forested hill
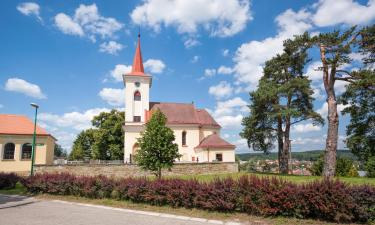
{"x": 308, "y": 155}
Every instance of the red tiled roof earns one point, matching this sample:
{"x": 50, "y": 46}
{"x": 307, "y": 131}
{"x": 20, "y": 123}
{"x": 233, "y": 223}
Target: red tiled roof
{"x": 214, "y": 141}
{"x": 19, "y": 124}
{"x": 182, "y": 113}
{"x": 137, "y": 68}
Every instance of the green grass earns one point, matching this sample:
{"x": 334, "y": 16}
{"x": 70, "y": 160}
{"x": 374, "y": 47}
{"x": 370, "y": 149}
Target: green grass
{"x": 292, "y": 178}
{"x": 18, "y": 190}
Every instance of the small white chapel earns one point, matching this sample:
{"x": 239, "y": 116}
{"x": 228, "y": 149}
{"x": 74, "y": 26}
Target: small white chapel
{"x": 196, "y": 132}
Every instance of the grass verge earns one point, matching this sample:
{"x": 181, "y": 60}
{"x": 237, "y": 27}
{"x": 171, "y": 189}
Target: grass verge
{"x": 18, "y": 190}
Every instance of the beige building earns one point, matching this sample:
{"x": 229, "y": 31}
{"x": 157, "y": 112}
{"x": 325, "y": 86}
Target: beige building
{"x": 16, "y": 135}
{"x": 197, "y": 133}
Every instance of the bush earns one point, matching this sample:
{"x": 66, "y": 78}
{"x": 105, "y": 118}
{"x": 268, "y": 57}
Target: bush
{"x": 8, "y": 180}
{"x": 329, "y": 200}
{"x": 345, "y": 167}
{"x": 370, "y": 167}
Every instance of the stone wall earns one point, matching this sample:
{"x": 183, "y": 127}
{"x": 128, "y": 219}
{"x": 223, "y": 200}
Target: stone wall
{"x": 127, "y": 170}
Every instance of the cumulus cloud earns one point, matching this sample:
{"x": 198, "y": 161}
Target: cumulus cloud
{"x": 209, "y": 72}
{"x": 154, "y": 65}
{"x": 113, "y": 96}
{"x": 111, "y": 47}
{"x": 250, "y": 57}
{"x": 29, "y": 9}
{"x": 75, "y": 120}
{"x": 88, "y": 22}
{"x": 224, "y": 70}
{"x": 24, "y": 87}
{"x": 229, "y": 113}
{"x": 219, "y": 18}
{"x": 332, "y": 12}
{"x": 222, "y": 90}
{"x": 323, "y": 110}
{"x": 305, "y": 128}
{"x": 118, "y": 71}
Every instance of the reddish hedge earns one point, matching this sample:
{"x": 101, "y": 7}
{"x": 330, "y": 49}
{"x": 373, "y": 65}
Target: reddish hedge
{"x": 8, "y": 180}
{"x": 329, "y": 200}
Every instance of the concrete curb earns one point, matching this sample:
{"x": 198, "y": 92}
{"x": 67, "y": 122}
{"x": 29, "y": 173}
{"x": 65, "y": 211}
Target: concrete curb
{"x": 150, "y": 213}
{"x": 19, "y": 201}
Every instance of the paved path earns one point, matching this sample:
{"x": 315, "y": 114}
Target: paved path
{"x": 28, "y": 211}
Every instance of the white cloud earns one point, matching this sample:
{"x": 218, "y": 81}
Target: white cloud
{"x": 29, "y": 8}
{"x": 111, "y": 47}
{"x": 119, "y": 70}
{"x": 332, "y": 12}
{"x": 191, "y": 42}
{"x": 313, "y": 71}
{"x": 306, "y": 140}
{"x": 224, "y": 70}
{"x": 229, "y": 113}
{"x": 250, "y": 57}
{"x": 209, "y": 72}
{"x": 24, "y": 87}
{"x": 67, "y": 25}
{"x": 154, "y": 65}
{"x": 87, "y": 21}
{"x": 195, "y": 59}
{"x": 113, "y": 96}
{"x": 220, "y": 18}
{"x": 305, "y": 128}
{"x": 225, "y": 52}
{"x": 75, "y": 120}
{"x": 222, "y": 90}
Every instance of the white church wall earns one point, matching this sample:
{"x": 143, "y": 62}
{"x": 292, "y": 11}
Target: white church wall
{"x": 209, "y": 155}
{"x": 192, "y": 140}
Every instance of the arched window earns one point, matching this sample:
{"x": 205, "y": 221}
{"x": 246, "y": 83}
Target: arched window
{"x": 26, "y": 151}
{"x": 9, "y": 151}
{"x": 183, "y": 138}
{"x": 137, "y": 96}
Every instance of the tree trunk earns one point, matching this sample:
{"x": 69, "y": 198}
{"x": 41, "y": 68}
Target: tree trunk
{"x": 333, "y": 120}
{"x": 279, "y": 140}
{"x": 159, "y": 173}
{"x": 284, "y": 162}
{"x": 331, "y": 141}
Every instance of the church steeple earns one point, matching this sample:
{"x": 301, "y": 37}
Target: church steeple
{"x": 137, "y": 68}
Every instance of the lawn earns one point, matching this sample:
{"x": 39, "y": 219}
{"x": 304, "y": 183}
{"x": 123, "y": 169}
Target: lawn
{"x": 292, "y": 178}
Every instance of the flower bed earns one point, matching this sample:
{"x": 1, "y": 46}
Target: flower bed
{"x": 329, "y": 200}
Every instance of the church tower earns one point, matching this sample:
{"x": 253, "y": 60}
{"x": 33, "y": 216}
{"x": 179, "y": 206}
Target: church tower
{"x": 137, "y": 100}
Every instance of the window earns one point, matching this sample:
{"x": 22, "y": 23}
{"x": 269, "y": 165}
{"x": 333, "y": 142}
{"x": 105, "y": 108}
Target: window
{"x": 9, "y": 151}
{"x": 26, "y": 151}
{"x": 137, "y": 84}
{"x": 136, "y": 119}
{"x": 183, "y": 138}
{"x": 137, "y": 96}
{"x": 219, "y": 157}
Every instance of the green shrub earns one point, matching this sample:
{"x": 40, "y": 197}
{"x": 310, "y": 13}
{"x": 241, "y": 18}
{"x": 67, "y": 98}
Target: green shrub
{"x": 345, "y": 167}
{"x": 370, "y": 167}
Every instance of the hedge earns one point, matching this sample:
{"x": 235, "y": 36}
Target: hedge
{"x": 8, "y": 180}
{"x": 329, "y": 200}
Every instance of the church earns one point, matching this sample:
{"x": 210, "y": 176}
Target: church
{"x": 196, "y": 132}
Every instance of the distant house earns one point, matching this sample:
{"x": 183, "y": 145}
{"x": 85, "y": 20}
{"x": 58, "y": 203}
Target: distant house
{"x": 16, "y": 135}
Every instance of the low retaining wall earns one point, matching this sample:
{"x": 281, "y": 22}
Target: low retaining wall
{"x": 127, "y": 170}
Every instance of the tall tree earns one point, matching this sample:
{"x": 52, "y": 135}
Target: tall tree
{"x": 157, "y": 147}
{"x": 105, "y": 141}
{"x": 82, "y": 145}
{"x": 334, "y": 48}
{"x": 109, "y": 138}
{"x": 283, "y": 98}
{"x": 59, "y": 151}
{"x": 359, "y": 98}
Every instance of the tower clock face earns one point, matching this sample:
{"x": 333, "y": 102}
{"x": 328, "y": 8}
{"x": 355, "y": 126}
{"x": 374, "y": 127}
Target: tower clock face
{"x": 137, "y": 84}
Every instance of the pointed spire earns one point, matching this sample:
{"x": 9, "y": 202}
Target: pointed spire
{"x": 137, "y": 68}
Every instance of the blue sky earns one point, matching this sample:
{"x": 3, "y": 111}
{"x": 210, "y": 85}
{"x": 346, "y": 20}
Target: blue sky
{"x": 68, "y": 56}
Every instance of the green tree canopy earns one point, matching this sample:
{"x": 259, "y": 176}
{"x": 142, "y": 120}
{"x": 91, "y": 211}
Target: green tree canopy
{"x": 283, "y": 98}
{"x": 157, "y": 147}
{"x": 105, "y": 141}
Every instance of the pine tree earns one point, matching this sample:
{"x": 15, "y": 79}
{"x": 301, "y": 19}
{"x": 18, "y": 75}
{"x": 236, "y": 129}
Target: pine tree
{"x": 283, "y": 98}
{"x": 157, "y": 147}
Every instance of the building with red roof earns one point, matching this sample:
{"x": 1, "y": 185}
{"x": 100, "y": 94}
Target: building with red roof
{"x": 16, "y": 133}
{"x": 196, "y": 131}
